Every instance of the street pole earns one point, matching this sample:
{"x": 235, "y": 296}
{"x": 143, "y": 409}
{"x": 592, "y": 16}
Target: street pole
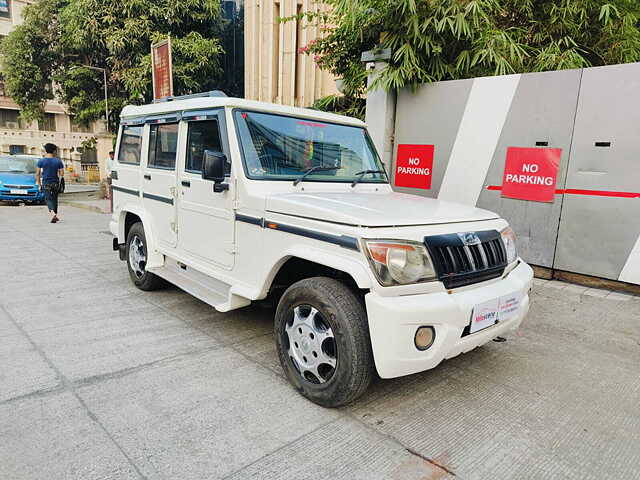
{"x": 106, "y": 97}
{"x": 106, "y": 100}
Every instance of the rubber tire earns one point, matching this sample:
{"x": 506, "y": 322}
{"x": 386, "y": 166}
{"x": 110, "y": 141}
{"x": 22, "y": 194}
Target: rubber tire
{"x": 346, "y": 315}
{"x": 149, "y": 281}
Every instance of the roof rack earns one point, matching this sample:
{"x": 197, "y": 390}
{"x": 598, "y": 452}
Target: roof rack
{"x": 212, "y": 93}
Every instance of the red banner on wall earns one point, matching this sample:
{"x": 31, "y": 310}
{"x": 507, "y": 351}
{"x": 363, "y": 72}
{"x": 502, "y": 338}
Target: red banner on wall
{"x": 162, "y": 69}
{"x": 414, "y": 166}
{"x": 530, "y": 173}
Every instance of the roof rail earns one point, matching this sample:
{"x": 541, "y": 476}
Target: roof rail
{"x": 212, "y": 93}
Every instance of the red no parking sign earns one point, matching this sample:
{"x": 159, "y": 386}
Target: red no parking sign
{"x": 414, "y": 166}
{"x": 530, "y": 173}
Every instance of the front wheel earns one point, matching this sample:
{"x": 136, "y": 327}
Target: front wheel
{"x": 322, "y": 337}
{"x": 137, "y": 260}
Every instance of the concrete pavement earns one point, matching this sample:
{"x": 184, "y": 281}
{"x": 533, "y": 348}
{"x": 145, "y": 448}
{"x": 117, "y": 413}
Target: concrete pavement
{"x": 101, "y": 381}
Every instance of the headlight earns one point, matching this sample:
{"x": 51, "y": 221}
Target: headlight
{"x": 509, "y": 240}
{"x": 399, "y": 262}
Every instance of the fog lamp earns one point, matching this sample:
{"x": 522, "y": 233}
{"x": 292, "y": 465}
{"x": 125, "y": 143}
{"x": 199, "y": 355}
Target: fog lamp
{"x": 424, "y": 337}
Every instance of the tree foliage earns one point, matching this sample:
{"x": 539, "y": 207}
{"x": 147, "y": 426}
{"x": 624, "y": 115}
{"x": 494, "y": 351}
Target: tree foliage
{"x": 57, "y": 37}
{"x": 433, "y": 40}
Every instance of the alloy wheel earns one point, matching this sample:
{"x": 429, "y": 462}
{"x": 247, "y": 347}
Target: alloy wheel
{"x": 311, "y": 345}
{"x": 137, "y": 256}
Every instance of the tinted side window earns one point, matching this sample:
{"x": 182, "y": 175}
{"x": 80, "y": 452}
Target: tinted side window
{"x": 163, "y": 144}
{"x": 130, "y": 144}
{"x": 203, "y": 136}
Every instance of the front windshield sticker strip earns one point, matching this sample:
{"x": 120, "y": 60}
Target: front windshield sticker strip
{"x": 200, "y": 114}
{"x": 158, "y": 198}
{"x": 164, "y": 118}
{"x": 343, "y": 241}
{"x": 132, "y": 121}
{"x": 126, "y": 190}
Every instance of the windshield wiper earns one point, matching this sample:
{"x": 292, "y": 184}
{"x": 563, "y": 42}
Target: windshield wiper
{"x": 361, "y": 174}
{"x": 311, "y": 170}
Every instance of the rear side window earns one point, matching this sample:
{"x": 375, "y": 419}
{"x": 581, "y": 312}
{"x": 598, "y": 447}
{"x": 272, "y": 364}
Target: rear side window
{"x": 204, "y": 135}
{"x": 163, "y": 145}
{"x": 131, "y": 144}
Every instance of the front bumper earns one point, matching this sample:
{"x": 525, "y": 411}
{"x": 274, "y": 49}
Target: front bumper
{"x": 393, "y": 322}
{"x": 5, "y": 196}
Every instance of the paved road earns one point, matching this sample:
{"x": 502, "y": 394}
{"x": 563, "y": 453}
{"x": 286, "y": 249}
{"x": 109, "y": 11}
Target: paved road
{"x": 101, "y": 381}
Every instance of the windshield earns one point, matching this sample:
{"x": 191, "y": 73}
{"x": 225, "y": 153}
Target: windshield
{"x": 277, "y": 147}
{"x": 18, "y": 164}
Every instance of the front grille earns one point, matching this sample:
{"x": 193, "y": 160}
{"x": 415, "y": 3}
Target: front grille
{"x": 23, "y": 187}
{"x": 458, "y": 264}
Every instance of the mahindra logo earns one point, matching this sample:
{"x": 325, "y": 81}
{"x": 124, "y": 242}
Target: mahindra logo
{"x": 469, "y": 238}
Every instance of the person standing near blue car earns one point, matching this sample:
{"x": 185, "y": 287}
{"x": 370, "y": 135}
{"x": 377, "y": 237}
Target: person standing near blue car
{"x": 49, "y": 171}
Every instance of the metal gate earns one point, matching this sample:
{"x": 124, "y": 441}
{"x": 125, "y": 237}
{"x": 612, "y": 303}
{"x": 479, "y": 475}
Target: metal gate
{"x": 593, "y": 115}
{"x": 600, "y": 223}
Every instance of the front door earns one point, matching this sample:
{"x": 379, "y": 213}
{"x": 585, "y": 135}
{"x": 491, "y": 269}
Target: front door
{"x": 159, "y": 182}
{"x": 206, "y": 218}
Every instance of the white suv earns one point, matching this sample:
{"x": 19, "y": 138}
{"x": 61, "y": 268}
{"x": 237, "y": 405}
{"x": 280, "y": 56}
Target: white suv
{"x": 234, "y": 201}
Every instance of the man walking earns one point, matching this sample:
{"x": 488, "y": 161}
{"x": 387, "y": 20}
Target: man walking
{"x": 49, "y": 171}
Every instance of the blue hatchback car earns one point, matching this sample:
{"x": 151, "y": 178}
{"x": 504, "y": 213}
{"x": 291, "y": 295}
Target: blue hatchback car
{"x": 18, "y": 179}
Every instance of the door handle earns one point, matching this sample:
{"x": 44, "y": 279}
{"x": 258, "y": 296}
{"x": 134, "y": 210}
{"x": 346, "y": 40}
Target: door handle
{"x": 185, "y": 183}
{"x": 147, "y": 177}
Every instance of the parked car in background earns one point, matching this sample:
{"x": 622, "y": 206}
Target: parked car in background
{"x": 18, "y": 179}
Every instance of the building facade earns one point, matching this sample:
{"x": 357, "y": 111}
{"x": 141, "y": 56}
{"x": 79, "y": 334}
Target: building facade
{"x": 19, "y": 137}
{"x": 276, "y": 68}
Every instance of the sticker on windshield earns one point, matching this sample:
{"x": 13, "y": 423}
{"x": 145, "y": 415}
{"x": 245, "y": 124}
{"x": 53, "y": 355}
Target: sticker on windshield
{"x": 311, "y": 124}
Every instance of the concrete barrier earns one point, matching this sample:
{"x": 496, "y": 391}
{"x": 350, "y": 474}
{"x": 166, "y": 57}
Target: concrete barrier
{"x": 493, "y": 138}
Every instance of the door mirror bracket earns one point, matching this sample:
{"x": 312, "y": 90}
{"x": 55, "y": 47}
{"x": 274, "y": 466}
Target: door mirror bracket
{"x": 213, "y": 169}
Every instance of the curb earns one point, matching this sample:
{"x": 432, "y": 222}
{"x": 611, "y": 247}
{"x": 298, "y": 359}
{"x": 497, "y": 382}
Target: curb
{"x": 84, "y": 206}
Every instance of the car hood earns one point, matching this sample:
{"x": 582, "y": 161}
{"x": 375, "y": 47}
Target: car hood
{"x": 18, "y": 178}
{"x": 374, "y": 209}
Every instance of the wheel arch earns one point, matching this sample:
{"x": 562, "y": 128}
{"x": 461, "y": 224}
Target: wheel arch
{"x": 128, "y": 217}
{"x": 299, "y": 263}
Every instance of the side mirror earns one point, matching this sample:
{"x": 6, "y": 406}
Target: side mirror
{"x": 213, "y": 169}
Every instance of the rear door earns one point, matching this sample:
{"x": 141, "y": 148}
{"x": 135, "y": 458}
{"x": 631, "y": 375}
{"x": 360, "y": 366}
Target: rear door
{"x": 205, "y": 217}
{"x": 159, "y": 179}
{"x": 126, "y": 179}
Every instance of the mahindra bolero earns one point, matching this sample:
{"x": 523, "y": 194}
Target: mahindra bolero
{"x": 236, "y": 201}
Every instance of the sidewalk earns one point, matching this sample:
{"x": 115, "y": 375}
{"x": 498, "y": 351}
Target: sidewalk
{"x": 98, "y": 206}
{"x": 86, "y": 197}
{"x": 71, "y": 187}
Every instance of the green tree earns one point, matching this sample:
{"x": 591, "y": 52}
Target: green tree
{"x": 42, "y": 57}
{"x": 434, "y": 40}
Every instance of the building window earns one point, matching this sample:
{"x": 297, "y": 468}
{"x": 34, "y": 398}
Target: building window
{"x": 10, "y": 119}
{"x": 17, "y": 149}
{"x": 75, "y": 128}
{"x": 3, "y": 90}
{"x": 48, "y": 124}
{"x": 5, "y": 9}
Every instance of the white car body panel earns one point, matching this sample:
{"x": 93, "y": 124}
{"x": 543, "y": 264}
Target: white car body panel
{"x": 374, "y": 209}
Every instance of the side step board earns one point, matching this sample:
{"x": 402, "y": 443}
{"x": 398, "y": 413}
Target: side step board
{"x": 205, "y": 288}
